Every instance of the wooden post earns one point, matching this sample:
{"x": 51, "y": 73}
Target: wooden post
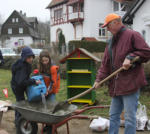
{"x": 1, "y": 116}
{"x": 67, "y": 13}
{"x": 78, "y": 10}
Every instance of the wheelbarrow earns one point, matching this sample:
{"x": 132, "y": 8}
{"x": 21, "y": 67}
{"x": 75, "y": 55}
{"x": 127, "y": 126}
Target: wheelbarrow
{"x": 31, "y": 115}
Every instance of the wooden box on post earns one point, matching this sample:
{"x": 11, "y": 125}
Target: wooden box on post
{"x": 81, "y": 73}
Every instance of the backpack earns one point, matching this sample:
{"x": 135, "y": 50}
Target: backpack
{"x": 52, "y": 81}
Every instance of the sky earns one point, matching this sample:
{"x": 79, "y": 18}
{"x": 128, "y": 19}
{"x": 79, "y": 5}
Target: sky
{"x": 32, "y": 8}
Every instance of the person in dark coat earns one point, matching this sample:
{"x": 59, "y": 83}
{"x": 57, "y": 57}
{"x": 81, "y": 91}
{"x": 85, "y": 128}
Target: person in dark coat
{"x": 1, "y": 58}
{"x": 21, "y": 71}
{"x": 124, "y": 88}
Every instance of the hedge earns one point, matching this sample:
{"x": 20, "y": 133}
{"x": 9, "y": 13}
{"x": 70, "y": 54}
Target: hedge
{"x": 147, "y": 73}
{"x": 147, "y": 87}
{"x": 91, "y": 46}
{"x": 10, "y": 60}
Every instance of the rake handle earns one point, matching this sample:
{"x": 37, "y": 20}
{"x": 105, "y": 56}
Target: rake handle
{"x": 103, "y": 81}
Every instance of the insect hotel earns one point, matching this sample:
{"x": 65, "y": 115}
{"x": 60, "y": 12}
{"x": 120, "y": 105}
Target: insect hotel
{"x": 81, "y": 74}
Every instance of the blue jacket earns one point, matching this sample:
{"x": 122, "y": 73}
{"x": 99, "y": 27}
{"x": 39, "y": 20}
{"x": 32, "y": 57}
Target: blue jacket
{"x": 1, "y": 58}
{"x": 21, "y": 71}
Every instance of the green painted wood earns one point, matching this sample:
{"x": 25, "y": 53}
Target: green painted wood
{"x": 79, "y": 64}
{"x": 78, "y": 91}
{"x": 81, "y": 78}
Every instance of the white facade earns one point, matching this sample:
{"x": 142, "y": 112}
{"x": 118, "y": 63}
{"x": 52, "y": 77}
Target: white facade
{"x": 67, "y": 29}
{"x": 93, "y": 14}
{"x": 18, "y": 41}
{"x": 141, "y": 21}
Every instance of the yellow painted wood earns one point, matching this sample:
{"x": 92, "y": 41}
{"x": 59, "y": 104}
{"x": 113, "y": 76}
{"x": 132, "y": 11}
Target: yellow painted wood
{"x": 83, "y": 101}
{"x": 79, "y": 86}
{"x": 81, "y": 58}
{"x": 83, "y": 72}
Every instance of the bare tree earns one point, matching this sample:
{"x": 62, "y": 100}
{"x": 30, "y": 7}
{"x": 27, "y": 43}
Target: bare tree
{"x": 44, "y": 30}
{"x": 2, "y": 39}
{"x": 1, "y": 22}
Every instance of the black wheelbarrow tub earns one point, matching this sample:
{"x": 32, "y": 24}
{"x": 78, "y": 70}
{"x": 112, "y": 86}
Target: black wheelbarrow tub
{"x": 33, "y": 114}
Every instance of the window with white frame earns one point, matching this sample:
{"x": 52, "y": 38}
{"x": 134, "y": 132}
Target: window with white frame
{"x": 75, "y": 8}
{"x": 20, "y": 30}
{"x": 9, "y": 30}
{"x": 82, "y": 7}
{"x": 102, "y": 31}
{"x": 21, "y": 42}
{"x": 78, "y": 9}
{"x": 58, "y": 14}
{"x": 17, "y": 20}
{"x": 13, "y": 20}
{"x": 117, "y": 6}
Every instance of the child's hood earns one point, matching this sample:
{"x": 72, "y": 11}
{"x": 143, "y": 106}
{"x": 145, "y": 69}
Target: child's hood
{"x": 26, "y": 51}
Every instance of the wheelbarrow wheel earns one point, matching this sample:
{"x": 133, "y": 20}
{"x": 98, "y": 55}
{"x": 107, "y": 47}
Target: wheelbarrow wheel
{"x": 25, "y": 127}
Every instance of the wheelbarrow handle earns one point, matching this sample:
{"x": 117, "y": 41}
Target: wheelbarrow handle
{"x": 103, "y": 81}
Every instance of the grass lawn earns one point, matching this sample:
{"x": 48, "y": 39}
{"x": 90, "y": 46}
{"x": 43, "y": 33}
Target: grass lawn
{"x": 102, "y": 96}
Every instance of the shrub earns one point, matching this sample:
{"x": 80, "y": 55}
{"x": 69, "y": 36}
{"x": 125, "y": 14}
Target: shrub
{"x": 61, "y": 42}
{"x": 63, "y": 72}
{"x": 147, "y": 68}
{"x": 91, "y": 46}
{"x": 35, "y": 63}
{"x": 147, "y": 72}
{"x": 19, "y": 49}
{"x": 39, "y": 46}
{"x": 147, "y": 87}
{"x": 9, "y": 61}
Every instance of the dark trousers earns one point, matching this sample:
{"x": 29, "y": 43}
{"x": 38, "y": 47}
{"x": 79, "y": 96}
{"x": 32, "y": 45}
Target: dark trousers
{"x": 19, "y": 97}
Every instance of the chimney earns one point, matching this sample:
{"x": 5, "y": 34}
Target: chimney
{"x": 20, "y": 11}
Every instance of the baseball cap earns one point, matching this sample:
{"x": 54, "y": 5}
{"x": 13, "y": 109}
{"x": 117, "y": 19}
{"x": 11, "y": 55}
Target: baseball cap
{"x": 109, "y": 18}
